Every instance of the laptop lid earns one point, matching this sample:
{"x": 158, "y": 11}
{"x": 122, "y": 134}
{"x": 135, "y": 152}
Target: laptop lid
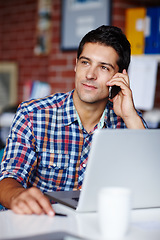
{"x": 121, "y": 158}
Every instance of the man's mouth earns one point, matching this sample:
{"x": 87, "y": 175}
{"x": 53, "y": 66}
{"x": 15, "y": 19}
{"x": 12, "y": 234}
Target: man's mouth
{"x": 89, "y": 86}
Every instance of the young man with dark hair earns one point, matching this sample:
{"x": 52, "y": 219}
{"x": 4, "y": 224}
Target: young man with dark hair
{"x": 48, "y": 146}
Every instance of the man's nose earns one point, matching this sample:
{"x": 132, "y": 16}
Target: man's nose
{"x": 91, "y": 73}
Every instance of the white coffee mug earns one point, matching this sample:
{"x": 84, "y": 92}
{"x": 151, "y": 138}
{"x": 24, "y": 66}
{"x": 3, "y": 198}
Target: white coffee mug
{"x": 114, "y": 212}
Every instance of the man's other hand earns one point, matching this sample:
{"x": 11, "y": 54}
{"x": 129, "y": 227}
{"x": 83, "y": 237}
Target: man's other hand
{"x": 32, "y": 201}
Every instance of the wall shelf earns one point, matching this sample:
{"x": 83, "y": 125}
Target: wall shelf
{"x": 154, "y": 56}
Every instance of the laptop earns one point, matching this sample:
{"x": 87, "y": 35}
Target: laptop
{"x": 119, "y": 158}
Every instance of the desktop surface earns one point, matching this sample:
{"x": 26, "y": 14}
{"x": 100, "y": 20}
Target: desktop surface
{"x": 145, "y": 225}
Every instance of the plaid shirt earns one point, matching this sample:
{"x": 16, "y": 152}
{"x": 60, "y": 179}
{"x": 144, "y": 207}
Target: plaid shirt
{"x": 48, "y": 147}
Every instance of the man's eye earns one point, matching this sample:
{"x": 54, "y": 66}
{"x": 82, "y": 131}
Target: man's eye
{"x": 105, "y": 68}
{"x": 85, "y": 62}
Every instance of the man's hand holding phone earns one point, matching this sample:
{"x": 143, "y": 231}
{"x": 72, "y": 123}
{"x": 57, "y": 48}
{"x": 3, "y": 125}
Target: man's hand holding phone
{"x": 123, "y": 104}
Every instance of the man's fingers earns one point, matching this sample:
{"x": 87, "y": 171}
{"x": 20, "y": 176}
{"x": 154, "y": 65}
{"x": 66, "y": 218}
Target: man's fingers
{"x": 32, "y": 201}
{"x": 34, "y": 206}
{"x": 21, "y": 207}
{"x": 46, "y": 206}
{"x": 122, "y": 76}
{"x": 43, "y": 201}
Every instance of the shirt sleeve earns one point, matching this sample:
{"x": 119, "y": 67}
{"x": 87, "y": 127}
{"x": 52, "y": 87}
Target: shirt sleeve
{"x": 19, "y": 159}
{"x": 144, "y": 123}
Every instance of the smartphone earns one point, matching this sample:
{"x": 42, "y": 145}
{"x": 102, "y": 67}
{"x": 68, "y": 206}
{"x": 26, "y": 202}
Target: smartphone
{"x": 113, "y": 91}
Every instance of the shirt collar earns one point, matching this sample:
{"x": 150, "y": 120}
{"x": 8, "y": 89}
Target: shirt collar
{"x": 71, "y": 115}
{"x": 101, "y": 122}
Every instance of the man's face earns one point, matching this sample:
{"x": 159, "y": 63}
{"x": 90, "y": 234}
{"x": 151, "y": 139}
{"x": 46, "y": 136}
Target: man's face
{"x": 96, "y": 65}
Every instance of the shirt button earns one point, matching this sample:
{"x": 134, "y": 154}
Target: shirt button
{"x": 54, "y": 164}
{"x": 84, "y": 165}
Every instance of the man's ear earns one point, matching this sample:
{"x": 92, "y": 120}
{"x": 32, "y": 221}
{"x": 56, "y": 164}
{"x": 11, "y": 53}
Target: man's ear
{"x": 75, "y": 68}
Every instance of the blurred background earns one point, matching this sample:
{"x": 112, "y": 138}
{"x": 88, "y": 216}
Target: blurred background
{"x": 38, "y": 41}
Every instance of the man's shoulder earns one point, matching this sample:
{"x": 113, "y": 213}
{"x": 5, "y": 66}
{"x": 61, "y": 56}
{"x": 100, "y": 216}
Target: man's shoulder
{"x": 49, "y": 102}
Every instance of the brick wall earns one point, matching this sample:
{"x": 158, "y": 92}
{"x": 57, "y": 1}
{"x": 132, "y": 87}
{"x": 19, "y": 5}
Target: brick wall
{"x": 18, "y": 37}
{"x": 61, "y": 64}
{"x": 18, "y": 25}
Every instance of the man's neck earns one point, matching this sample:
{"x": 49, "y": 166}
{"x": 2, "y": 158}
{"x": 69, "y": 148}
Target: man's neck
{"x": 89, "y": 113}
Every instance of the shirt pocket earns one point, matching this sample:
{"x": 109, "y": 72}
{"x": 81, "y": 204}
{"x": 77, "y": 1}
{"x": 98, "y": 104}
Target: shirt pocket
{"x": 53, "y": 168}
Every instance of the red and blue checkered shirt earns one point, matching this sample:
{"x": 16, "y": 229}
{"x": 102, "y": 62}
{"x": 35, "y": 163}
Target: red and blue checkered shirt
{"x": 47, "y": 147}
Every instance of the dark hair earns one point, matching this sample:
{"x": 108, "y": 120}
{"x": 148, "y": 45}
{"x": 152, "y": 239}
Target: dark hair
{"x": 109, "y": 36}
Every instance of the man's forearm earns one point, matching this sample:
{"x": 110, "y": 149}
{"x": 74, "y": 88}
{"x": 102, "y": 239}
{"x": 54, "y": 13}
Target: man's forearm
{"x": 9, "y": 189}
{"x": 134, "y": 122}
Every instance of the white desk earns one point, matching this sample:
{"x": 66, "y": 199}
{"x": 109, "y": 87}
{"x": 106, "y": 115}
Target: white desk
{"x": 145, "y": 224}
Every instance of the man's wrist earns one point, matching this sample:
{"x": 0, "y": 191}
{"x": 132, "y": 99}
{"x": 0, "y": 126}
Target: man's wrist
{"x": 134, "y": 122}
{"x": 10, "y": 189}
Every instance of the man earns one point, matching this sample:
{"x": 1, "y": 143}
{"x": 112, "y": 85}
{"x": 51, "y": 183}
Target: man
{"x": 49, "y": 142}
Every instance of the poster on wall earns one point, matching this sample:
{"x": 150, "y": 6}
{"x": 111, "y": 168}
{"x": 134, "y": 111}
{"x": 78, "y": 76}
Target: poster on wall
{"x": 43, "y": 29}
{"x": 81, "y": 16}
{"x": 8, "y": 84}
